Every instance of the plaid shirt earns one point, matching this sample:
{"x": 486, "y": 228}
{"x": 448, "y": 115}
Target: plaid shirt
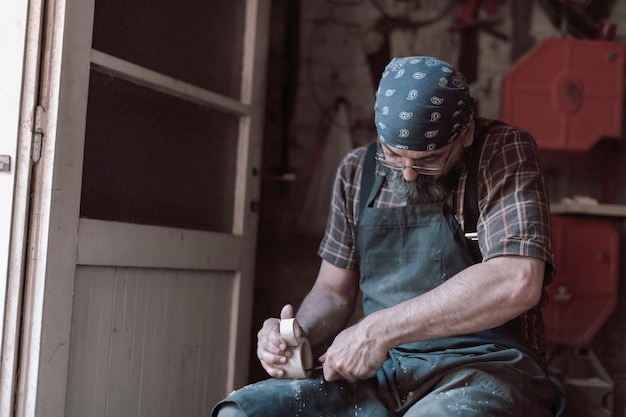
{"x": 514, "y": 210}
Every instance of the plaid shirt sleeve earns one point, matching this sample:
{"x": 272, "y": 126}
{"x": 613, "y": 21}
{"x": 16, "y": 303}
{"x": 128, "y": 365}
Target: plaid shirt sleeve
{"x": 338, "y": 246}
{"x": 514, "y": 208}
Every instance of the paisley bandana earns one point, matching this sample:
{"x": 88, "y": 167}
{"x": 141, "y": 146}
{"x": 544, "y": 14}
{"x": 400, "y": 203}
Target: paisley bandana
{"x": 422, "y": 104}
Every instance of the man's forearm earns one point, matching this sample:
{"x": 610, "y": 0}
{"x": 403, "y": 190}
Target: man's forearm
{"x": 322, "y": 315}
{"x": 479, "y": 298}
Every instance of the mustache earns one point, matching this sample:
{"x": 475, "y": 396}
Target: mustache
{"x": 424, "y": 189}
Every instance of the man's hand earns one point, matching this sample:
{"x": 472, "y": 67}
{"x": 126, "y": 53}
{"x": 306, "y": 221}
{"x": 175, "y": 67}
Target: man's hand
{"x": 354, "y": 354}
{"x": 272, "y": 350}
{"x": 324, "y": 311}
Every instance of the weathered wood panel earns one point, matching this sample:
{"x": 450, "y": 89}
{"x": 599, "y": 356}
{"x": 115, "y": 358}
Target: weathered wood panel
{"x": 148, "y": 342}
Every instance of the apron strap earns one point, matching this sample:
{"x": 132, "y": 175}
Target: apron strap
{"x": 470, "y": 201}
{"x": 368, "y": 175}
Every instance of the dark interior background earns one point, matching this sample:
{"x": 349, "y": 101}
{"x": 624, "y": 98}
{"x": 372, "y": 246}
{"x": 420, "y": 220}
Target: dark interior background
{"x": 325, "y": 60}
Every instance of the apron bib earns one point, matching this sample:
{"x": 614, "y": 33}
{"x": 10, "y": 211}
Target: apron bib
{"x": 404, "y": 252}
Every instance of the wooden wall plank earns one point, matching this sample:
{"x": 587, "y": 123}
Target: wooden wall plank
{"x": 107, "y": 243}
{"x": 148, "y": 342}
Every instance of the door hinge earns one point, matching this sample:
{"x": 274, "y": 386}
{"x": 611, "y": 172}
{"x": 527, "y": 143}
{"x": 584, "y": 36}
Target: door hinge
{"x": 40, "y": 113}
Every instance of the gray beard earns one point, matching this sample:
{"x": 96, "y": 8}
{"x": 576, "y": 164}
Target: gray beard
{"x": 424, "y": 189}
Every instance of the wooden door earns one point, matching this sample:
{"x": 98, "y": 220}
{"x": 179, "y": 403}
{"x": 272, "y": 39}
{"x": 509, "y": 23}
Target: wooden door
{"x": 142, "y": 234}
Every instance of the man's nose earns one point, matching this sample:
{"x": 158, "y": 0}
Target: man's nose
{"x": 409, "y": 173}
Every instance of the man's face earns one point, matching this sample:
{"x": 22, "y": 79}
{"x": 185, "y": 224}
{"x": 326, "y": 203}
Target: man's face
{"x": 424, "y": 188}
{"x": 416, "y": 188}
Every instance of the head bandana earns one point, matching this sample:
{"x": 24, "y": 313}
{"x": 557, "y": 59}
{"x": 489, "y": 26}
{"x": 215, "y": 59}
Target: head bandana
{"x": 422, "y": 104}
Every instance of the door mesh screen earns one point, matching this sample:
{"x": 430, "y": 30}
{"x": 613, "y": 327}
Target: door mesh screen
{"x": 196, "y": 41}
{"x": 154, "y": 159}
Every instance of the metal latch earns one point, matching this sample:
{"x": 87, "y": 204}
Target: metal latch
{"x": 5, "y": 163}
{"x": 38, "y": 133}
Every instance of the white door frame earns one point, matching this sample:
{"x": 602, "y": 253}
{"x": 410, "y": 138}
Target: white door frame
{"x": 20, "y": 33}
{"x": 53, "y": 251}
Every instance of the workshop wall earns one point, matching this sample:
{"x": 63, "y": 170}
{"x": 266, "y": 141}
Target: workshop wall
{"x": 326, "y": 57}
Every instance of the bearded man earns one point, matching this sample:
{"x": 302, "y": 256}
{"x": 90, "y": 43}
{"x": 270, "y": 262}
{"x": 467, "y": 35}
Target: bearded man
{"x": 443, "y": 225}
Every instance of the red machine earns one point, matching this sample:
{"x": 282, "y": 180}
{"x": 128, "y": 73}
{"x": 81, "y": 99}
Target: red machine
{"x": 585, "y": 293}
{"x": 569, "y": 94}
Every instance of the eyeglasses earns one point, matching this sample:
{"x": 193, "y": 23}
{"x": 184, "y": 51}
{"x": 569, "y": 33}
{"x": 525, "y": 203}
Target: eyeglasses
{"x": 422, "y": 170}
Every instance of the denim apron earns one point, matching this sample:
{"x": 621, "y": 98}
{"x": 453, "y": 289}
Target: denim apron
{"x": 407, "y": 251}
{"x": 411, "y": 250}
